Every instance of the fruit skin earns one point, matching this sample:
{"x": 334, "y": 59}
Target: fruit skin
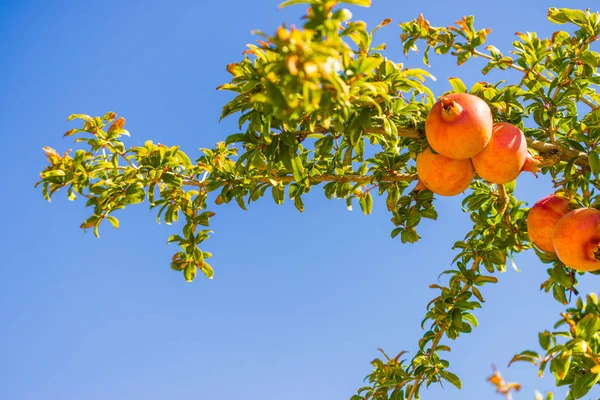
{"x": 443, "y": 175}
{"x": 577, "y": 239}
{"x": 542, "y": 220}
{"x": 504, "y": 156}
{"x": 459, "y": 126}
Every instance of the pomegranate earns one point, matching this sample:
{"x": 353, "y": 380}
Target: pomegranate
{"x": 459, "y": 126}
{"x": 576, "y": 239}
{"x": 504, "y": 157}
{"x": 442, "y": 175}
{"x": 542, "y": 219}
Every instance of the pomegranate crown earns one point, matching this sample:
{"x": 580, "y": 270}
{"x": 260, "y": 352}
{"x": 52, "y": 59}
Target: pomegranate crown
{"x": 450, "y": 109}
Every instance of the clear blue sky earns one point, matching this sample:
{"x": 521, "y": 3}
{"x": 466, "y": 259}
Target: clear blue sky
{"x": 300, "y": 302}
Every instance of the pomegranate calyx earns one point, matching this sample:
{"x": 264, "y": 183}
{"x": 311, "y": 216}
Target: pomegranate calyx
{"x": 532, "y": 164}
{"x": 450, "y": 109}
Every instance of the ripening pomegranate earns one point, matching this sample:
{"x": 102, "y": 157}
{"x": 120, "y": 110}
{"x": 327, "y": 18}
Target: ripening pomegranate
{"x": 459, "y": 126}
{"x": 577, "y": 239}
{"x": 442, "y": 175}
{"x": 542, "y": 219}
{"x": 505, "y": 156}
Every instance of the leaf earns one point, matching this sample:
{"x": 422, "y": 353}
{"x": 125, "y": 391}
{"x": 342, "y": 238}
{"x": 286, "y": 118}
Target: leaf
{"x": 559, "y": 294}
{"x": 364, "y": 3}
{"x": 588, "y": 326}
{"x": 452, "y": 378}
{"x": 594, "y": 162}
{"x": 581, "y": 386}
{"x": 470, "y": 318}
{"x": 207, "y": 270}
{"x": 457, "y": 318}
{"x": 527, "y": 356}
{"x": 366, "y": 203}
{"x": 544, "y": 339}
{"x": 560, "y": 365}
{"x": 114, "y": 221}
{"x": 590, "y": 58}
{"x": 79, "y": 116}
{"x": 364, "y": 65}
{"x": 297, "y": 169}
{"x": 189, "y": 273}
{"x": 457, "y": 85}
{"x": 564, "y": 15}
{"x": 278, "y": 194}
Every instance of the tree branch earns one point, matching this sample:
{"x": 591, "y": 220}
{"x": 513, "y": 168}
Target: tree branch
{"x": 319, "y": 179}
{"x": 403, "y": 132}
{"x": 551, "y": 152}
{"x": 523, "y": 70}
{"x": 502, "y": 199}
{"x": 438, "y": 336}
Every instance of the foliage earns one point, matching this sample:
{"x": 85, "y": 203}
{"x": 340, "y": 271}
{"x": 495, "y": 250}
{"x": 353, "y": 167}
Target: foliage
{"x": 322, "y": 105}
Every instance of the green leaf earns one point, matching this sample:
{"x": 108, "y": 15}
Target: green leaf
{"x": 581, "y": 386}
{"x": 79, "y": 116}
{"x": 457, "y": 318}
{"x": 470, "y": 318}
{"x": 457, "y": 85}
{"x": 278, "y": 194}
{"x": 588, "y": 326}
{"x": 207, "y": 270}
{"x": 564, "y": 15}
{"x": 559, "y": 294}
{"x": 452, "y": 378}
{"x": 544, "y": 338}
{"x": 189, "y": 273}
{"x": 297, "y": 169}
{"x": 113, "y": 220}
{"x": 364, "y": 65}
{"x": 527, "y": 356}
{"x": 594, "y": 162}
{"x": 560, "y": 365}
{"x": 590, "y": 58}
{"x": 364, "y": 3}
{"x": 366, "y": 203}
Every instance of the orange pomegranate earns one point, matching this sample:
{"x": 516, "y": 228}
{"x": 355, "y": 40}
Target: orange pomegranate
{"x": 442, "y": 175}
{"x": 542, "y": 219}
{"x": 459, "y": 126}
{"x": 504, "y": 157}
{"x": 576, "y": 239}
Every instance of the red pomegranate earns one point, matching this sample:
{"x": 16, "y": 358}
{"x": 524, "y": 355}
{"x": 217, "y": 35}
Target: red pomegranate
{"x": 542, "y": 220}
{"x": 459, "y": 126}
{"x": 576, "y": 239}
{"x": 442, "y": 175}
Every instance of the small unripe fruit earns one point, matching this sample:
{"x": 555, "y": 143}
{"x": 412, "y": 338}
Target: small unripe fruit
{"x": 576, "y": 239}
{"x": 543, "y": 218}
{"x": 442, "y": 175}
{"x": 459, "y": 126}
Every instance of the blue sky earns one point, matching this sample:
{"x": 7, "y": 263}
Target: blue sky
{"x": 300, "y": 302}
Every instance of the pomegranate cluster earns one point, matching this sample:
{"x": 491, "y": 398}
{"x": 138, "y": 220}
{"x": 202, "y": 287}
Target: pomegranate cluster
{"x": 465, "y": 140}
{"x": 572, "y": 234}
{"x": 460, "y": 130}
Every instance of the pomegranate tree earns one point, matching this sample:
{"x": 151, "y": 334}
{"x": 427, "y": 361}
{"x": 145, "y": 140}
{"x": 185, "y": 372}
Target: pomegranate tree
{"x": 321, "y": 105}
